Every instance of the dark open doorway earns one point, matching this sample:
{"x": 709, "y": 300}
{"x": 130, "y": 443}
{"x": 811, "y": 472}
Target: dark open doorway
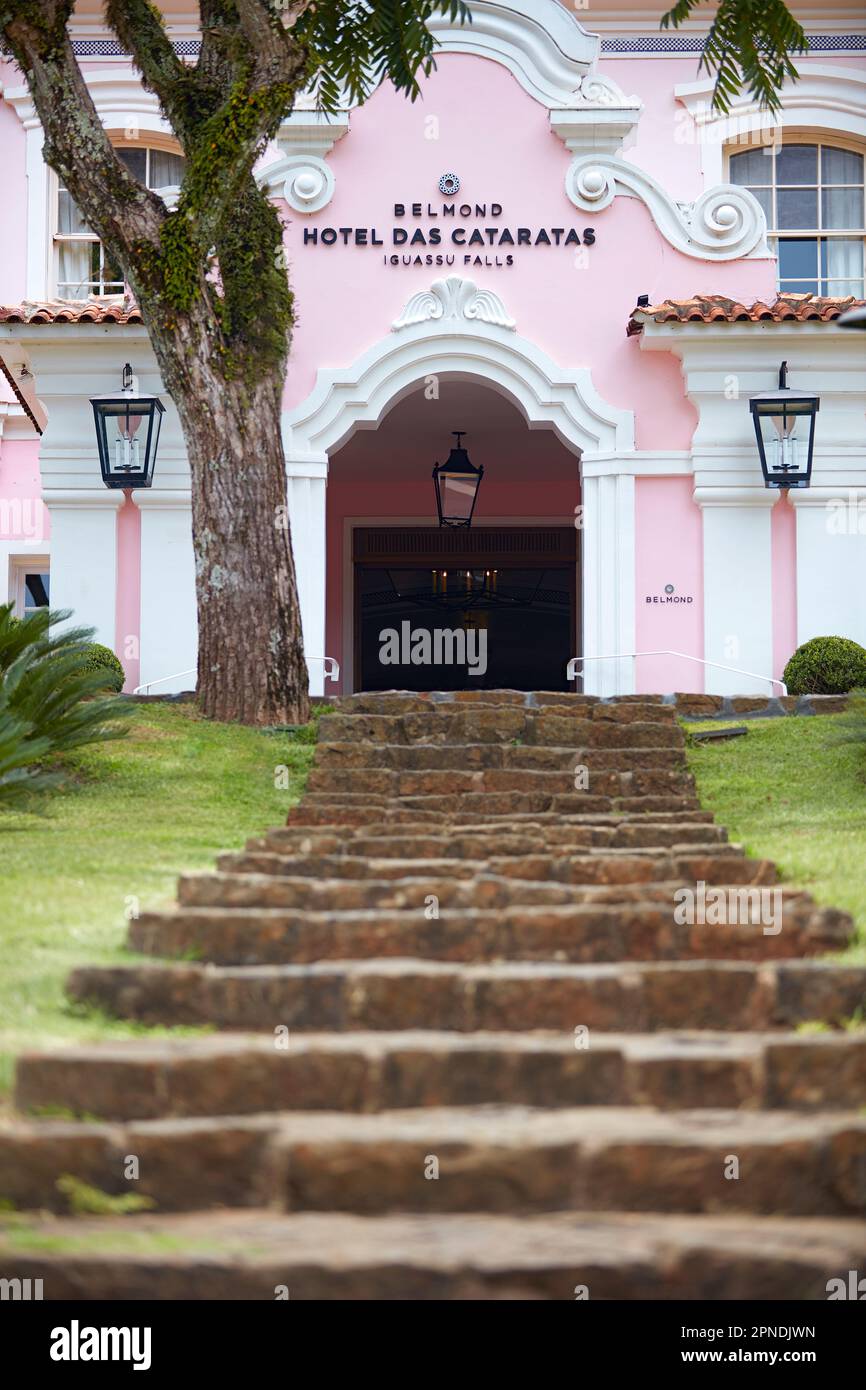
{"x": 490, "y": 608}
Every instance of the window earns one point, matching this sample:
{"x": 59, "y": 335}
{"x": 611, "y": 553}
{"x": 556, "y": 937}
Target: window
{"x": 84, "y": 268}
{"x": 813, "y": 199}
{"x": 30, "y": 584}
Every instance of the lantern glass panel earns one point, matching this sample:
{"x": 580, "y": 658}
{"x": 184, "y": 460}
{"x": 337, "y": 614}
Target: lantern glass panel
{"x": 125, "y": 439}
{"x": 458, "y": 495}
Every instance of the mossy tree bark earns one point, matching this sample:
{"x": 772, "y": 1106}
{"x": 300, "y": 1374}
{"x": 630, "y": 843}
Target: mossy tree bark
{"x": 210, "y": 279}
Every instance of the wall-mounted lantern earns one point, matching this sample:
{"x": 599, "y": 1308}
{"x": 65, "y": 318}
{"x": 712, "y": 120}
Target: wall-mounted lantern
{"x": 785, "y": 429}
{"x": 127, "y": 434}
{"x": 457, "y": 483}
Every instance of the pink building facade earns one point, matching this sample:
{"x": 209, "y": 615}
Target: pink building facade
{"x": 562, "y": 252}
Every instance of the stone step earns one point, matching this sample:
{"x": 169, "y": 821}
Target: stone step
{"x": 484, "y": 803}
{"x": 656, "y": 727}
{"x": 436, "y": 705}
{"x": 639, "y": 832}
{"x": 505, "y": 1159}
{"x": 390, "y": 994}
{"x": 521, "y": 783}
{"x": 244, "y": 1074}
{"x": 627, "y": 874}
{"x": 580, "y": 934}
{"x": 423, "y": 757}
{"x": 311, "y": 1256}
{"x": 407, "y": 886}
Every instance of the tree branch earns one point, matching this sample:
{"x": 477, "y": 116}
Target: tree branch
{"x": 113, "y": 202}
{"x": 139, "y": 26}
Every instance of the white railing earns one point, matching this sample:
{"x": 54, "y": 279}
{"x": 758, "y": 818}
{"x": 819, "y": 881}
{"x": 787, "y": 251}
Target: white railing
{"x": 573, "y": 674}
{"x": 331, "y": 665}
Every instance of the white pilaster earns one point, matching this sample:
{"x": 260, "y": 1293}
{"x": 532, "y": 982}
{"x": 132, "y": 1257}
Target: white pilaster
{"x": 608, "y": 582}
{"x": 831, "y": 563}
{"x": 169, "y": 626}
{"x": 306, "y": 482}
{"x": 84, "y": 557}
{"x": 738, "y": 588}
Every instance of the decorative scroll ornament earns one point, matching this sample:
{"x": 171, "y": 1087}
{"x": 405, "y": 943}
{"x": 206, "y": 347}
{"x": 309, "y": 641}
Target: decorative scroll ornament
{"x": 725, "y": 223}
{"x": 454, "y": 298}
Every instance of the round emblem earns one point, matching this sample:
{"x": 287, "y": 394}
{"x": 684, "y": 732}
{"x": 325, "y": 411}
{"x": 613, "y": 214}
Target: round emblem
{"x": 449, "y": 184}
{"x": 669, "y": 588}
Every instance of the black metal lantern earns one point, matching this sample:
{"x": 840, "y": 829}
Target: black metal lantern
{"x": 457, "y": 483}
{"x": 127, "y": 434}
{"x": 785, "y": 428}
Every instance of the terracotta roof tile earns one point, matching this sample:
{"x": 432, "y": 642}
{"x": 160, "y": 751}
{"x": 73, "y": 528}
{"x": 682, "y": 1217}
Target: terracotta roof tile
{"x": 72, "y": 311}
{"x": 716, "y": 308}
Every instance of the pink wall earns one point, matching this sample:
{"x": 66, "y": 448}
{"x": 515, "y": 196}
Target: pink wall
{"x": 498, "y": 140}
{"x": 128, "y": 614}
{"x": 668, "y": 550}
{"x": 23, "y": 517}
{"x": 783, "y": 521}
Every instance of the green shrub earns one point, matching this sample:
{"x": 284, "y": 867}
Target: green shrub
{"x": 102, "y": 659}
{"x": 49, "y": 702}
{"x": 826, "y": 666}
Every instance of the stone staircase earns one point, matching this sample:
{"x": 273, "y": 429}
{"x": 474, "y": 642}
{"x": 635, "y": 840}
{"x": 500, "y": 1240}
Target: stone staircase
{"x": 463, "y": 1047}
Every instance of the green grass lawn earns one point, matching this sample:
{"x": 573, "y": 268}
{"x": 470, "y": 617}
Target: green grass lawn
{"x": 141, "y": 809}
{"x": 793, "y": 790}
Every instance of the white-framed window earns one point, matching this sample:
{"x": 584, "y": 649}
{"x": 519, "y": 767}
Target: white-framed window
{"x": 30, "y": 583}
{"x": 812, "y": 193}
{"x": 84, "y": 269}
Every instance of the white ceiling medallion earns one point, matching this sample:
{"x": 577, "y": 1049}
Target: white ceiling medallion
{"x": 454, "y": 298}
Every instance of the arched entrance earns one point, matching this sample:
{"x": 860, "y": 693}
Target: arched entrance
{"x": 372, "y": 429}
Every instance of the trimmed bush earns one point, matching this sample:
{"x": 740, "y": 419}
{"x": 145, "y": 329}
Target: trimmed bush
{"x": 50, "y": 703}
{"x": 826, "y": 666}
{"x": 101, "y": 658}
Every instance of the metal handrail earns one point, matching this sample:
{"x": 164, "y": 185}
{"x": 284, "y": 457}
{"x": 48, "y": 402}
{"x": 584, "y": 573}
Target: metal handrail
{"x": 572, "y": 673}
{"x": 332, "y": 673}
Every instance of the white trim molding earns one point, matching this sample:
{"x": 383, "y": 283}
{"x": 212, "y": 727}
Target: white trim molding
{"x": 454, "y": 298}
{"x": 455, "y": 345}
{"x": 823, "y": 100}
{"x": 724, "y": 224}
{"x": 301, "y": 174}
{"x": 543, "y": 45}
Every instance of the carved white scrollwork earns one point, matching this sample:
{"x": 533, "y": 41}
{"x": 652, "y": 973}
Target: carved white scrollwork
{"x": 455, "y": 298}
{"x": 304, "y": 180}
{"x": 723, "y": 224}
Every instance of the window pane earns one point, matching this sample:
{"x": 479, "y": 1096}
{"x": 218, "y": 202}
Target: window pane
{"x": 752, "y": 166}
{"x": 842, "y": 207}
{"x": 135, "y": 161}
{"x": 166, "y": 170}
{"x": 798, "y": 287}
{"x": 798, "y": 258}
{"x": 36, "y": 590}
{"x": 797, "y": 164}
{"x": 765, "y": 198}
{"x": 74, "y": 271}
{"x": 841, "y": 166}
{"x": 797, "y": 208}
{"x": 841, "y": 259}
{"x": 69, "y": 219}
{"x": 842, "y": 288}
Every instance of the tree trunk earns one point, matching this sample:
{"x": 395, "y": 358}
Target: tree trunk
{"x": 251, "y": 665}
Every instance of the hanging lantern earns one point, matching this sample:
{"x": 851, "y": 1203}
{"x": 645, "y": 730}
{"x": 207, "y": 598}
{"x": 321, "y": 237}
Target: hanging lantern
{"x": 457, "y": 483}
{"x": 785, "y": 429}
{"x": 127, "y": 434}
